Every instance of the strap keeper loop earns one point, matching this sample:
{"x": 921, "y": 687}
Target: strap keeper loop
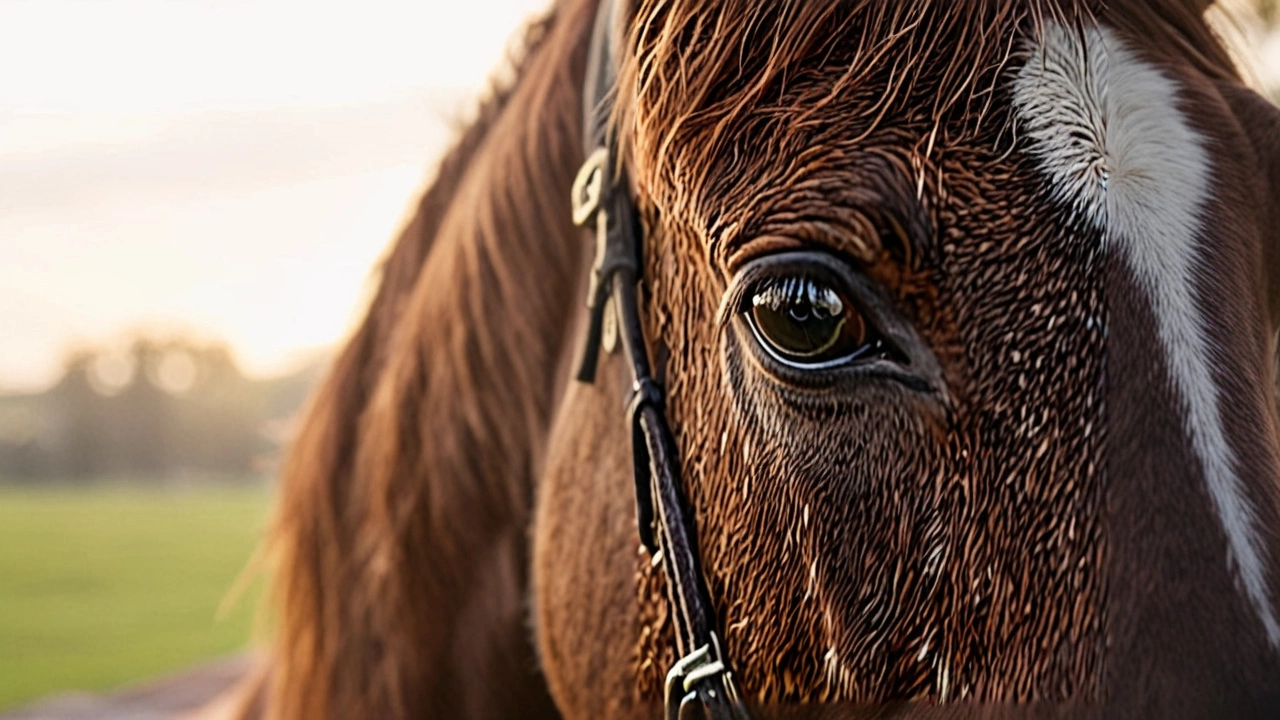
{"x": 645, "y": 392}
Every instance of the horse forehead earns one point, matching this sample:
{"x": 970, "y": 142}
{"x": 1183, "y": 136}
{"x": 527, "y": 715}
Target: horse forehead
{"x": 709, "y": 75}
{"x": 1111, "y": 133}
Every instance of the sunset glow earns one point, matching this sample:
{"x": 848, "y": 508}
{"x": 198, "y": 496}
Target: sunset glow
{"x": 231, "y": 169}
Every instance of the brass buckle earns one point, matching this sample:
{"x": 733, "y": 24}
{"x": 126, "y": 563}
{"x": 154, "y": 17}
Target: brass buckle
{"x": 588, "y": 199}
{"x": 588, "y": 186}
{"x": 692, "y": 670}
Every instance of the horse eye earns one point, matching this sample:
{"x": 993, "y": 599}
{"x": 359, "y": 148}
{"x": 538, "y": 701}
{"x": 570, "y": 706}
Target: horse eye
{"x": 808, "y": 324}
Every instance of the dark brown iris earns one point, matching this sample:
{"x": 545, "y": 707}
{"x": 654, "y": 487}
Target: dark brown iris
{"x": 805, "y": 322}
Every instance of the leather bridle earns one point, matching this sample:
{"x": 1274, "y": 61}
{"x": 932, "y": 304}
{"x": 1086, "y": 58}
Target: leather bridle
{"x": 701, "y": 679}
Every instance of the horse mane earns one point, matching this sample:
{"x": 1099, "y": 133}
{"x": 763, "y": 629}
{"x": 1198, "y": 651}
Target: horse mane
{"x": 363, "y": 538}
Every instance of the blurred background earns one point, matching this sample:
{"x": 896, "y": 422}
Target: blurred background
{"x": 192, "y": 195}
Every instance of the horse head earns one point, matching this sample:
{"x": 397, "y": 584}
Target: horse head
{"x": 963, "y": 315}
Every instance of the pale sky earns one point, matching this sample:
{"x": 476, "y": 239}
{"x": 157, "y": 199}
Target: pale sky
{"x": 232, "y": 167}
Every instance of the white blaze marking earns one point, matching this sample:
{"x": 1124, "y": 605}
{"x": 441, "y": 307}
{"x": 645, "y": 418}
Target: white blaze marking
{"x": 1105, "y": 127}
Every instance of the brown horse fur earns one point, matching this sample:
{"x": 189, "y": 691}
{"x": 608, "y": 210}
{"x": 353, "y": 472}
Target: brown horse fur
{"x": 1029, "y": 527}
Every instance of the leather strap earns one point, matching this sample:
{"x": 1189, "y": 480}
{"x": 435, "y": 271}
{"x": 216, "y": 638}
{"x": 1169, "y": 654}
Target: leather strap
{"x": 701, "y": 680}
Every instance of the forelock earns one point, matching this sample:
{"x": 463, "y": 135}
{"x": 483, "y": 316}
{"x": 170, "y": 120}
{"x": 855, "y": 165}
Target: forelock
{"x": 699, "y": 68}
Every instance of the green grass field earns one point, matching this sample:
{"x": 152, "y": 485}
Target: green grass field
{"x": 107, "y": 585}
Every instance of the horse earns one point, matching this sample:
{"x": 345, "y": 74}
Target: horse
{"x": 960, "y": 316}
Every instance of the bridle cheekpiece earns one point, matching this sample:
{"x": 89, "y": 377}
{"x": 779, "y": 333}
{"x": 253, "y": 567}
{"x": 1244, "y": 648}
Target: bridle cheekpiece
{"x": 702, "y": 678}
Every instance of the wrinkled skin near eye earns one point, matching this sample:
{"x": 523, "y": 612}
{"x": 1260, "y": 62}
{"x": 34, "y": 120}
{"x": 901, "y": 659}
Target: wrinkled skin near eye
{"x": 808, "y": 323}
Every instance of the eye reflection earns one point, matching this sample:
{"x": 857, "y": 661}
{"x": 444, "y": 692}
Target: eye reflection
{"x": 806, "y": 323}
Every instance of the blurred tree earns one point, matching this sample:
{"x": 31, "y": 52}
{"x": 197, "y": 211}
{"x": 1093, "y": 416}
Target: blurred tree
{"x": 149, "y": 408}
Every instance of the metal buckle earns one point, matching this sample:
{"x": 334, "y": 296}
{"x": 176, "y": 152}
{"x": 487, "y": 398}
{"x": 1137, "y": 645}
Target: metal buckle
{"x": 692, "y": 670}
{"x": 589, "y": 195}
{"x": 588, "y": 186}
